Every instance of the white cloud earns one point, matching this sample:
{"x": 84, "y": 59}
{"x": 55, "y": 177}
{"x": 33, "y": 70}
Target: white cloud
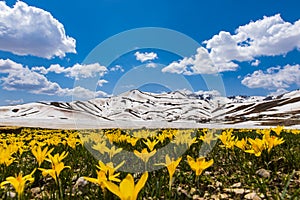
{"x": 255, "y": 63}
{"x": 20, "y": 78}
{"x": 41, "y": 70}
{"x": 27, "y": 30}
{"x": 83, "y": 93}
{"x": 209, "y": 93}
{"x": 85, "y": 71}
{"x": 6, "y": 66}
{"x": 269, "y": 36}
{"x": 145, "y": 56}
{"x": 14, "y": 102}
{"x": 151, "y": 65}
{"x": 274, "y": 78}
{"x": 101, "y": 82}
{"x": 198, "y": 64}
{"x": 117, "y": 68}
{"x": 33, "y": 82}
{"x": 77, "y": 71}
{"x": 278, "y": 92}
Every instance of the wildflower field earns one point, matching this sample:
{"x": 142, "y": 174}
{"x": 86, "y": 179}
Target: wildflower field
{"x": 149, "y": 164}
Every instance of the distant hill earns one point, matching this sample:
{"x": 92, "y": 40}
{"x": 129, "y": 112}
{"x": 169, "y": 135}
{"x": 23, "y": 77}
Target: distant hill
{"x": 159, "y": 109}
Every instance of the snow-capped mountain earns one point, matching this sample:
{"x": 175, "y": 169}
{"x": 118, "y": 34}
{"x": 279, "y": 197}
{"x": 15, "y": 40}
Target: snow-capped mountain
{"x": 173, "y": 107}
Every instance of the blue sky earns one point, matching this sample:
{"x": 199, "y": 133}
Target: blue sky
{"x": 67, "y": 50}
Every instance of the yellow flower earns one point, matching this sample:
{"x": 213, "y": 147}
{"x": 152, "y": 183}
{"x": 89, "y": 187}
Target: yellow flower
{"x": 101, "y": 178}
{"x": 199, "y": 165}
{"x": 132, "y": 140}
{"x": 19, "y": 182}
{"x": 227, "y": 139}
{"x": 171, "y": 166}
{"x": 57, "y": 158}
{"x": 151, "y": 144}
{"x": 208, "y": 136}
{"x": 183, "y": 137}
{"x": 144, "y": 155}
{"x": 109, "y": 170}
{"x": 127, "y": 190}
{"x": 113, "y": 151}
{"x": 101, "y": 147}
{"x": 257, "y": 146}
{"x": 278, "y": 129}
{"x": 242, "y": 144}
{"x": 6, "y": 156}
{"x": 272, "y": 141}
{"x": 56, "y": 166}
{"x": 161, "y": 138}
{"x": 55, "y": 171}
{"x": 40, "y": 154}
{"x": 72, "y": 141}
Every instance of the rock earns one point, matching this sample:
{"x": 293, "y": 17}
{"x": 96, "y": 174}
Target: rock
{"x": 263, "y": 173}
{"x": 80, "y": 183}
{"x": 197, "y": 197}
{"x": 192, "y": 191}
{"x": 252, "y": 196}
{"x": 11, "y": 194}
{"x": 236, "y": 190}
{"x": 35, "y": 190}
{"x": 236, "y": 185}
{"x": 224, "y": 196}
{"x": 219, "y": 184}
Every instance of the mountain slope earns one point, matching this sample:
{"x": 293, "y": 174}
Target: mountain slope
{"x": 178, "y": 106}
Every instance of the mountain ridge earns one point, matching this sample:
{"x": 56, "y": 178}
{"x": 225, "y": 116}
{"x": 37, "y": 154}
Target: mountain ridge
{"x": 177, "y": 106}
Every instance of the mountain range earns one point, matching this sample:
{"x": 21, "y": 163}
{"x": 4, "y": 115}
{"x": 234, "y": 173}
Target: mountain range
{"x": 135, "y": 108}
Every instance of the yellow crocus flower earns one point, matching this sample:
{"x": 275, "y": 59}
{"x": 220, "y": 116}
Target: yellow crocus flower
{"x": 242, "y": 144}
{"x": 6, "y": 156}
{"x": 56, "y": 166}
{"x": 278, "y": 129}
{"x": 150, "y": 144}
{"x": 132, "y": 140}
{"x": 227, "y": 139}
{"x": 101, "y": 178}
{"x": 113, "y": 151}
{"x": 257, "y": 146}
{"x": 272, "y": 141}
{"x": 39, "y": 154}
{"x": 109, "y": 170}
{"x": 127, "y": 190}
{"x": 171, "y": 165}
{"x": 199, "y": 165}
{"x": 19, "y": 182}
{"x": 144, "y": 155}
{"x": 101, "y": 147}
{"x": 208, "y": 136}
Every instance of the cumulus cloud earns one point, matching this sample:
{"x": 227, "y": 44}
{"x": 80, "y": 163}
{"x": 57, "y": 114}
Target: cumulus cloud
{"x": 269, "y": 36}
{"x": 278, "y": 92}
{"x": 27, "y": 30}
{"x": 209, "y": 93}
{"x": 14, "y": 102}
{"x": 117, "y": 68}
{"x": 6, "y": 66}
{"x": 25, "y": 79}
{"x": 255, "y": 63}
{"x": 145, "y": 56}
{"x": 101, "y": 82}
{"x": 77, "y": 71}
{"x": 83, "y": 93}
{"x": 274, "y": 78}
{"x": 21, "y": 78}
{"x": 151, "y": 65}
{"x": 197, "y": 64}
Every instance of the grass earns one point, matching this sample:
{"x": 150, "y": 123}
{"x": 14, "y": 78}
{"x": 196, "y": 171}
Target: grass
{"x": 234, "y": 174}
